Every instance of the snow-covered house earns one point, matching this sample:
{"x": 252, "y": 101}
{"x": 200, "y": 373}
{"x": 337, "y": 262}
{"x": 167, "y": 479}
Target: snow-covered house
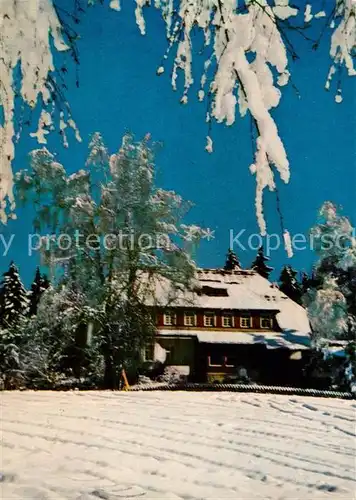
{"x": 232, "y": 322}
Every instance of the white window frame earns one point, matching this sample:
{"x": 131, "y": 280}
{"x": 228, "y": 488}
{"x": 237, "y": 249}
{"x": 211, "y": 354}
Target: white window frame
{"x": 228, "y": 315}
{"x": 210, "y": 315}
{"x": 244, "y": 317}
{"x": 190, "y": 314}
{"x": 216, "y": 366}
{"x": 225, "y": 363}
{"x": 172, "y": 321}
{"x": 266, "y": 318}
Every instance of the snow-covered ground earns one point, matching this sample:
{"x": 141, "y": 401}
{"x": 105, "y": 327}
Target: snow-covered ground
{"x": 175, "y": 446}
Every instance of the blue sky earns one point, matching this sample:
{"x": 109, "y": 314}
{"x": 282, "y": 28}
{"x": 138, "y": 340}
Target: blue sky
{"x": 119, "y": 91}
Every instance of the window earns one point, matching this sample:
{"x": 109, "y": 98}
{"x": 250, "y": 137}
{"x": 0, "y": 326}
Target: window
{"x": 169, "y": 318}
{"x": 170, "y": 354}
{"x": 216, "y": 360}
{"x": 219, "y": 360}
{"x": 266, "y": 323}
{"x": 209, "y": 319}
{"x": 229, "y": 361}
{"x": 214, "y": 292}
{"x": 246, "y": 321}
{"x": 148, "y": 354}
{"x": 270, "y": 298}
{"x": 189, "y": 319}
{"x": 227, "y": 320}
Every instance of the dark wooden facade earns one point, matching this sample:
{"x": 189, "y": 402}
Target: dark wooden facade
{"x": 248, "y": 362}
{"x": 256, "y": 317}
{"x": 225, "y": 362}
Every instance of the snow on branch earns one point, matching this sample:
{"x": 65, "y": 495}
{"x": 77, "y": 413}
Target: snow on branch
{"x": 328, "y": 310}
{"x": 25, "y": 47}
{"x": 343, "y": 42}
{"x": 246, "y": 66}
{"x": 247, "y": 47}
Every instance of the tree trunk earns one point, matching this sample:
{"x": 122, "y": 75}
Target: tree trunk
{"x": 110, "y": 373}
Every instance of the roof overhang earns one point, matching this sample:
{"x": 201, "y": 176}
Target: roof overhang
{"x": 272, "y": 340}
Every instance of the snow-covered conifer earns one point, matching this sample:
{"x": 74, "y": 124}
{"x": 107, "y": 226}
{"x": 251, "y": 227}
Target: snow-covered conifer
{"x": 289, "y": 283}
{"x": 309, "y": 281}
{"x": 38, "y": 287}
{"x": 13, "y": 298}
{"x": 259, "y": 264}
{"x": 232, "y": 261}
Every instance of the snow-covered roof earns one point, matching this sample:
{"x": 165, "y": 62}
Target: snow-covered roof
{"x": 272, "y": 340}
{"x": 334, "y": 342}
{"x": 338, "y": 352}
{"x": 334, "y": 347}
{"x": 241, "y": 292}
{"x": 245, "y": 290}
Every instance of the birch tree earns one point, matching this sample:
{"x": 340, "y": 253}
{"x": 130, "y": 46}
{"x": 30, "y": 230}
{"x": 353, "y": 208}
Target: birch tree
{"x": 115, "y": 234}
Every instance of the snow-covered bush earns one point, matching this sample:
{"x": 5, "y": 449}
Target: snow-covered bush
{"x": 350, "y": 366}
{"x": 51, "y": 350}
{"x": 172, "y": 375}
{"x": 11, "y": 373}
{"x": 336, "y": 365}
{"x": 17, "y": 355}
{"x": 144, "y": 380}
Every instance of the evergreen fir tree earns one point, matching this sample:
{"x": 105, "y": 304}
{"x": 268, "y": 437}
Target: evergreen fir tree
{"x": 45, "y": 282}
{"x": 259, "y": 264}
{"x": 289, "y": 284}
{"x": 39, "y": 285}
{"x": 14, "y": 301}
{"x": 232, "y": 262}
{"x": 305, "y": 282}
{"x": 309, "y": 281}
